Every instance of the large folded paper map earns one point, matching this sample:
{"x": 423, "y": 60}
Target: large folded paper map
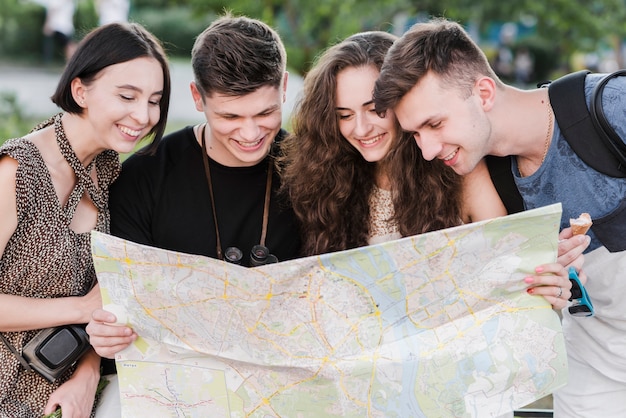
{"x": 435, "y": 325}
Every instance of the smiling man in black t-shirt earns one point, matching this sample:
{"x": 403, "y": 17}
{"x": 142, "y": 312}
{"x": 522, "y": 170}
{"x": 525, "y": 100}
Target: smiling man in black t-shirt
{"x": 209, "y": 188}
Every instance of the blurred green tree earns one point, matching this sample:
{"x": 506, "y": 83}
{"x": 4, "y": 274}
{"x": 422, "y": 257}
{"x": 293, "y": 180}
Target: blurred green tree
{"x": 307, "y": 26}
{"x": 562, "y": 27}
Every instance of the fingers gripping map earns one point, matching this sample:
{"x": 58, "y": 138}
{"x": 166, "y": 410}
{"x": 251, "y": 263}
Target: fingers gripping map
{"x": 435, "y": 325}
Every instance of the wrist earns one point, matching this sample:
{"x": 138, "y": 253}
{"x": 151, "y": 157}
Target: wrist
{"x": 88, "y": 366}
{"x": 83, "y": 310}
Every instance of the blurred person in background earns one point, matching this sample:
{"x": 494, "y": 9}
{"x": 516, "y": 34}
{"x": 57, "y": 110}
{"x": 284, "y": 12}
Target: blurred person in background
{"x": 112, "y": 11}
{"x": 58, "y": 28}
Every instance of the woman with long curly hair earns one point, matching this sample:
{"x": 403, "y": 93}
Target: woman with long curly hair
{"x": 354, "y": 178}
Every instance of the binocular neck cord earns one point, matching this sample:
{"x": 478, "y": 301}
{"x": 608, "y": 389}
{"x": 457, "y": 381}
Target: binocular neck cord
{"x": 266, "y": 207}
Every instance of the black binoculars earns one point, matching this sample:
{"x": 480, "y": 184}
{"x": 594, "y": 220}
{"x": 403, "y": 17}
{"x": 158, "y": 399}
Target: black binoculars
{"x": 259, "y": 256}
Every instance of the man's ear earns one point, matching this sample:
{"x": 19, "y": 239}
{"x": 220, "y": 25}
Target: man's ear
{"x": 486, "y": 88}
{"x": 285, "y": 79}
{"x": 198, "y": 98}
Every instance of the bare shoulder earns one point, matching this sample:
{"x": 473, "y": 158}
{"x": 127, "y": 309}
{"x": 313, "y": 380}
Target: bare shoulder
{"x": 480, "y": 198}
{"x": 8, "y": 207}
{"x": 8, "y": 170}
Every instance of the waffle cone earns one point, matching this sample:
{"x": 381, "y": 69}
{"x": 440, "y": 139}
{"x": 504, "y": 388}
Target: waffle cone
{"x": 581, "y": 224}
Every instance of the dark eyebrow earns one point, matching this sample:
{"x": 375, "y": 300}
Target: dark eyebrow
{"x": 137, "y": 89}
{"x": 429, "y": 120}
{"x": 266, "y": 110}
{"x": 366, "y": 104}
{"x": 270, "y": 109}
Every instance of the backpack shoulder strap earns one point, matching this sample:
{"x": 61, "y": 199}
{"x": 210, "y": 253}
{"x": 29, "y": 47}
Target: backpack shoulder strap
{"x": 611, "y": 139}
{"x": 567, "y": 97}
{"x": 586, "y": 130}
{"x": 502, "y": 178}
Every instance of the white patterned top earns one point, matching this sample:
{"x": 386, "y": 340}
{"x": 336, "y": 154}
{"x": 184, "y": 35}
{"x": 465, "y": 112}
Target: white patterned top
{"x": 382, "y": 229}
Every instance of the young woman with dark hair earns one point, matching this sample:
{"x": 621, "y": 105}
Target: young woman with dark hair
{"x": 54, "y": 190}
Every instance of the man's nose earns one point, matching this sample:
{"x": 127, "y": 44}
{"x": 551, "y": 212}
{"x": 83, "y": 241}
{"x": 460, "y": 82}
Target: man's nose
{"x": 430, "y": 147}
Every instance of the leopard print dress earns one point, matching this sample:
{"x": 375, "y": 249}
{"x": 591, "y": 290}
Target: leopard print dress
{"x": 44, "y": 258}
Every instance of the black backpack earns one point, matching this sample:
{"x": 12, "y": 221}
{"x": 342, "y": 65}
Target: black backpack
{"x": 586, "y": 130}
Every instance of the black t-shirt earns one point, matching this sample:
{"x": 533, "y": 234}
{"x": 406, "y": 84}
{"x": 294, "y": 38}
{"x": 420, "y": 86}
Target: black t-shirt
{"x": 163, "y": 200}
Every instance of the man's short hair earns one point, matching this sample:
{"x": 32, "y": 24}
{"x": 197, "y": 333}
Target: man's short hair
{"x": 439, "y": 46}
{"x": 236, "y": 56}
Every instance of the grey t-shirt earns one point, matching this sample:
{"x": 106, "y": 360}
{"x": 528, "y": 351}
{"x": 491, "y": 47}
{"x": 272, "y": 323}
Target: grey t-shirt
{"x": 564, "y": 177}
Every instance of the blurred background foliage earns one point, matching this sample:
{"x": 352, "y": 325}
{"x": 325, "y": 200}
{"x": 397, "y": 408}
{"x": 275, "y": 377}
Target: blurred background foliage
{"x": 553, "y": 30}
{"x": 556, "y": 36}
